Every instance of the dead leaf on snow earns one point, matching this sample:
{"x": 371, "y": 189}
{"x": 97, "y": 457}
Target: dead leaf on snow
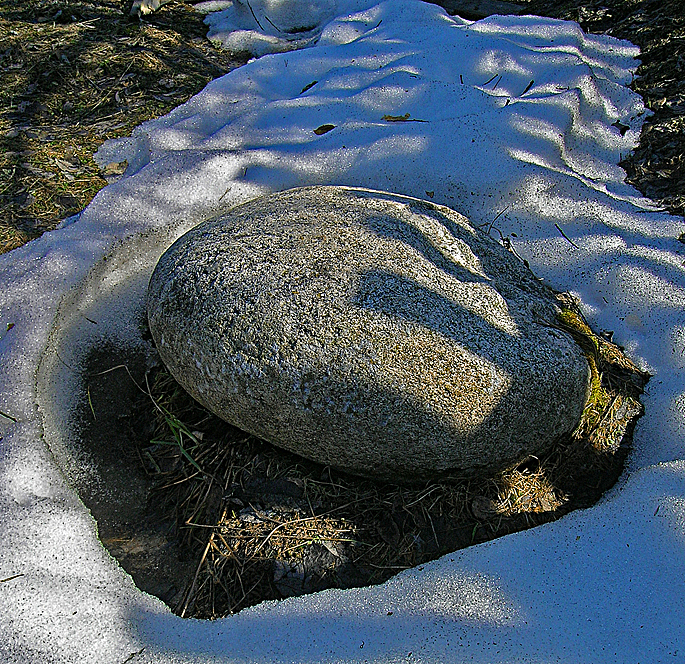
{"x": 114, "y": 170}
{"x": 401, "y": 118}
{"x": 309, "y": 86}
{"x": 323, "y": 129}
{"x": 396, "y": 118}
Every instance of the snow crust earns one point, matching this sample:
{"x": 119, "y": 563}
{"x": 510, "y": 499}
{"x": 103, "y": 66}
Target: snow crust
{"x": 518, "y": 123}
{"x": 272, "y": 26}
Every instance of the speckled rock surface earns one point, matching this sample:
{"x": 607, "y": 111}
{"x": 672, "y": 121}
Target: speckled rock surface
{"x": 375, "y": 333}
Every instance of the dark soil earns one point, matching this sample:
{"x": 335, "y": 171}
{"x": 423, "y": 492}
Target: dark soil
{"x": 74, "y": 73}
{"x": 143, "y": 539}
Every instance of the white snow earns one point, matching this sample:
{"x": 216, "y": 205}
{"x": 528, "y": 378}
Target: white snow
{"x": 516, "y": 131}
{"x": 272, "y": 26}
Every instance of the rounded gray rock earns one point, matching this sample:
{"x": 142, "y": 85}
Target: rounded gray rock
{"x": 371, "y": 332}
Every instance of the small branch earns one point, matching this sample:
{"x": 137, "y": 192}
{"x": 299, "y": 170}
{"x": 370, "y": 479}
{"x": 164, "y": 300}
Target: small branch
{"x": 497, "y": 216}
{"x": 270, "y": 21}
{"x": 90, "y": 402}
{"x": 566, "y": 236}
{"x": 132, "y": 655}
{"x": 528, "y": 87}
{"x": 188, "y": 596}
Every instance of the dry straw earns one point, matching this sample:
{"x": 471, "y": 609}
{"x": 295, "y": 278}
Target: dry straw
{"x": 266, "y": 524}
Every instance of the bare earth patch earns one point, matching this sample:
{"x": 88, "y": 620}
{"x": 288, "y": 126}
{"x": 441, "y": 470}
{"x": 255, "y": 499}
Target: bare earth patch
{"x": 213, "y": 520}
{"x": 74, "y": 73}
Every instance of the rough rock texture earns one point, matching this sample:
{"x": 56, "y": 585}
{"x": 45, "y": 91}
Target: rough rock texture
{"x": 376, "y": 333}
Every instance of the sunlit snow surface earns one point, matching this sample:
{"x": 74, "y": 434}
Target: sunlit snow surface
{"x": 272, "y": 26}
{"x": 513, "y": 121}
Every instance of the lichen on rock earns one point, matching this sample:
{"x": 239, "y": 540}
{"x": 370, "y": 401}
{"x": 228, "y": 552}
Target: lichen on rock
{"x": 375, "y": 333}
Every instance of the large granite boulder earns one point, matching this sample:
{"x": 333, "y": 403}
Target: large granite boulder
{"x": 375, "y": 333}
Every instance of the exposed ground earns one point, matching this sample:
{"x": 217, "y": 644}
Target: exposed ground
{"x": 76, "y": 72}
{"x": 212, "y": 520}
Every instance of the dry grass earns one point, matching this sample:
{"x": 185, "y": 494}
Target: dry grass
{"x": 265, "y": 524}
{"x": 72, "y": 74}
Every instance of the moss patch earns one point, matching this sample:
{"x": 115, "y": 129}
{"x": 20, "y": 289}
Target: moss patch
{"x": 615, "y": 385}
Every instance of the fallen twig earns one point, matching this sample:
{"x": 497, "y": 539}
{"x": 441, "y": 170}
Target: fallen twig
{"x": 566, "y": 236}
